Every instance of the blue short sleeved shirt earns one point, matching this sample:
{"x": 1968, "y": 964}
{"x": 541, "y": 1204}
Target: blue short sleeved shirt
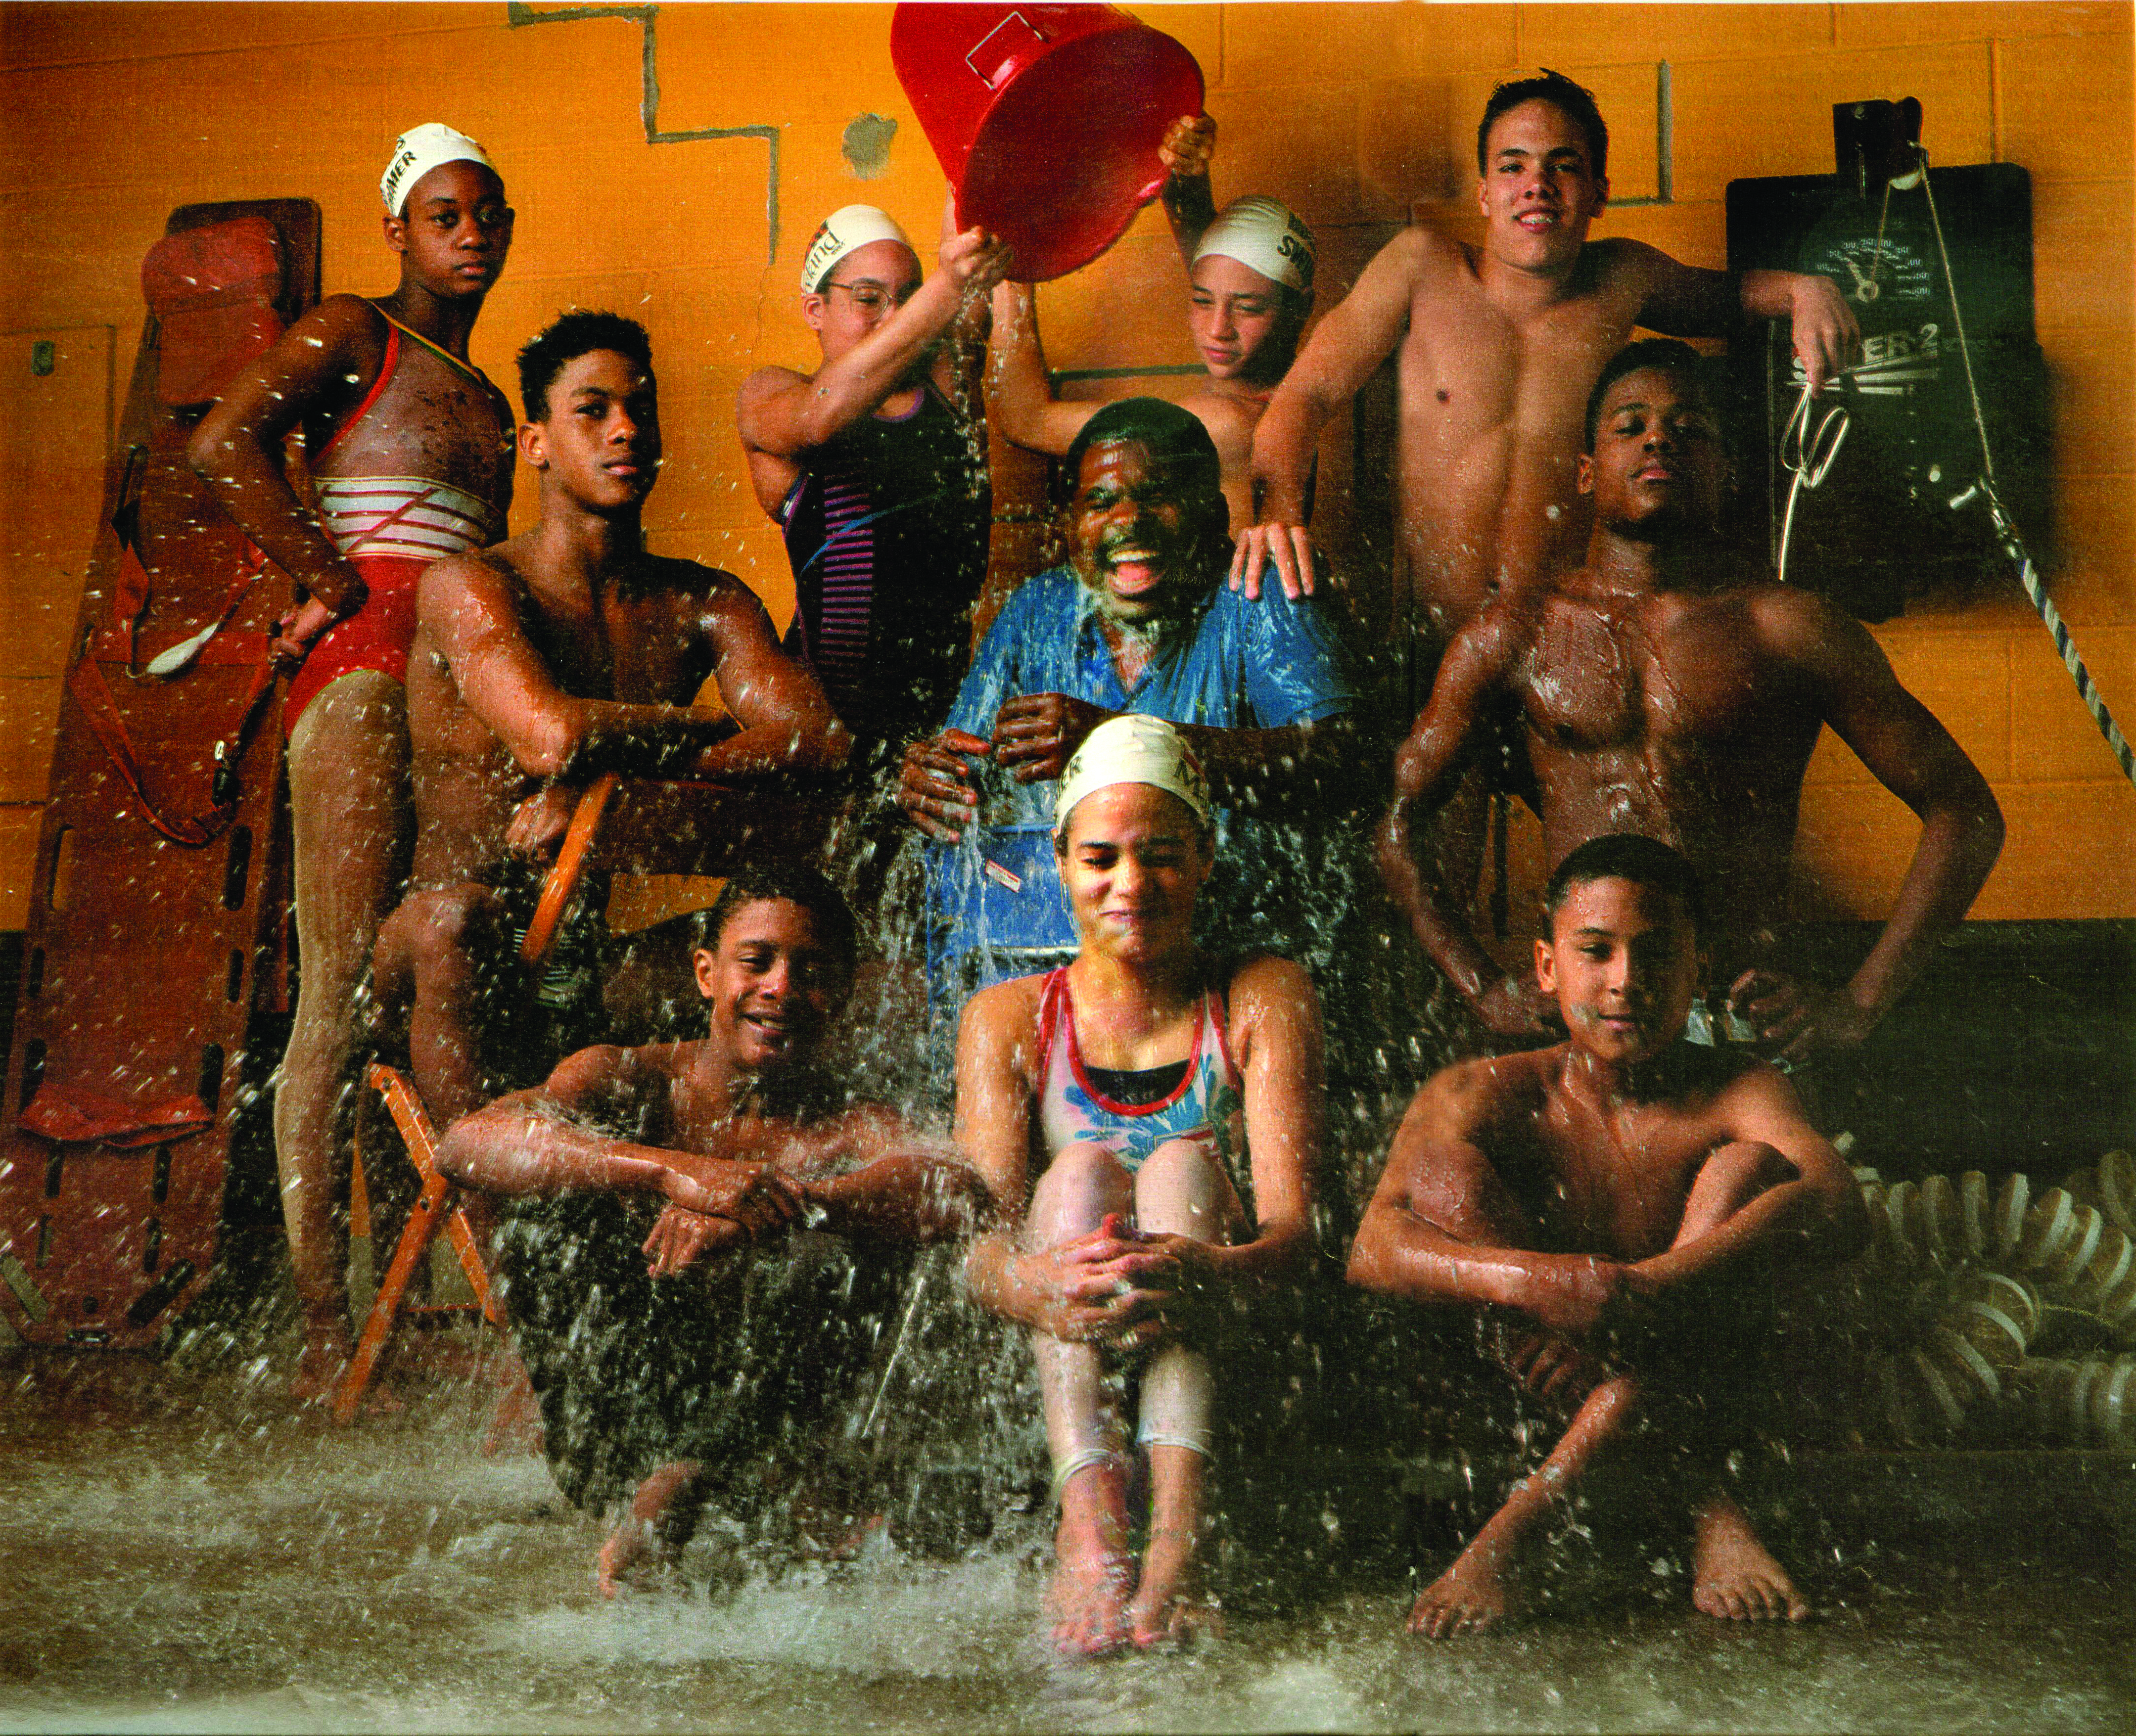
{"x": 1257, "y": 665}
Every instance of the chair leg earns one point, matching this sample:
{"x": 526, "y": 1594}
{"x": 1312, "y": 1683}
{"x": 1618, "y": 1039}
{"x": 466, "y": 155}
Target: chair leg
{"x": 468, "y": 1247}
{"x": 515, "y": 1418}
{"x": 431, "y": 1210}
{"x": 378, "y": 1326}
{"x": 440, "y": 1206}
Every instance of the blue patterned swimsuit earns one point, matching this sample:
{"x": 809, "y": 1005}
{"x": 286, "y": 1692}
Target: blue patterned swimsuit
{"x": 1206, "y": 1104}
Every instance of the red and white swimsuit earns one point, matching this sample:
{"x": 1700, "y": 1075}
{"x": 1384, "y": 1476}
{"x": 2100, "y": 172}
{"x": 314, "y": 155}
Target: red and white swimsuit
{"x": 390, "y": 528}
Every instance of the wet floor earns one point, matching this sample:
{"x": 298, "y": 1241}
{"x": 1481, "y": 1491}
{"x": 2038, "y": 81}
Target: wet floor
{"x": 196, "y": 1555}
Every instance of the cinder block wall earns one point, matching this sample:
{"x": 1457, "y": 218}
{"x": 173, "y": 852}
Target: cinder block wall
{"x": 1358, "y": 116}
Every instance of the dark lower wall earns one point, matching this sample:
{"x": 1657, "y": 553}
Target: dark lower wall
{"x": 2016, "y": 1050}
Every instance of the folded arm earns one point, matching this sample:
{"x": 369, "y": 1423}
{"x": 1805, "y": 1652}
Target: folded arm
{"x": 549, "y": 1141}
{"x": 910, "y": 1190}
{"x": 1442, "y": 1227}
{"x": 470, "y": 610}
{"x": 1819, "y": 1208}
{"x": 1277, "y": 1035}
{"x": 1063, "y": 1290}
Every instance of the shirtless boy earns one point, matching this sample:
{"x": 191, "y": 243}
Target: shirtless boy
{"x": 410, "y": 452}
{"x": 874, "y": 468}
{"x": 1622, "y": 1205}
{"x": 674, "y": 1322}
{"x": 1250, "y": 272}
{"x": 546, "y": 661}
{"x": 1498, "y": 346}
{"x": 1660, "y": 689}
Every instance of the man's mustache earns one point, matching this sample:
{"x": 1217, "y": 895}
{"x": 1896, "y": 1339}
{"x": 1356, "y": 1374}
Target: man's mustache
{"x": 1113, "y": 541}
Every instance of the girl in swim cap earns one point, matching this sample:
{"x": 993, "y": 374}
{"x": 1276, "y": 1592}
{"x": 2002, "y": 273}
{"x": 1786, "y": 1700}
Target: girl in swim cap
{"x": 1250, "y": 273}
{"x": 1150, "y": 1117}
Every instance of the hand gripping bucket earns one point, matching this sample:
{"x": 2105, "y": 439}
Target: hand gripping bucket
{"x": 1045, "y": 118}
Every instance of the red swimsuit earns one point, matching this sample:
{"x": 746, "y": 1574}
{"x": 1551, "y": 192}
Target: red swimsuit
{"x": 390, "y": 528}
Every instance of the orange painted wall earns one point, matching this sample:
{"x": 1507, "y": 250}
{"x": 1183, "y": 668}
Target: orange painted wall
{"x": 1358, "y": 116}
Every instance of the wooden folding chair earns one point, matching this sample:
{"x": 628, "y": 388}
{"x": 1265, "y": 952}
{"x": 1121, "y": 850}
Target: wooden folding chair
{"x": 653, "y": 833}
{"x": 438, "y": 1206}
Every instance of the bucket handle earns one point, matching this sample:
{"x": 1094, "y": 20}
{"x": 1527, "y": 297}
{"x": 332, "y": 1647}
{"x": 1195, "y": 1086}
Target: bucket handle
{"x": 1006, "y": 52}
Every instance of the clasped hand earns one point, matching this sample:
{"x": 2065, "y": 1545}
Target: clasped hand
{"x": 727, "y": 1207}
{"x": 1035, "y": 736}
{"x": 975, "y": 261}
{"x": 1827, "y": 337}
{"x": 1118, "y": 1287}
{"x": 1187, "y": 147}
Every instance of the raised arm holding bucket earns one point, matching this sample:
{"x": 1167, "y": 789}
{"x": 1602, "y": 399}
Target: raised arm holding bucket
{"x": 1249, "y": 274}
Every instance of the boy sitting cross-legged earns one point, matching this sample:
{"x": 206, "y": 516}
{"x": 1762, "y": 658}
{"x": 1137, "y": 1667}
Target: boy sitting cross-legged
{"x": 1627, "y": 1203}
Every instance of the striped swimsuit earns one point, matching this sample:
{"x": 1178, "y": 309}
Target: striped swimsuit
{"x": 390, "y": 528}
{"x": 887, "y": 532}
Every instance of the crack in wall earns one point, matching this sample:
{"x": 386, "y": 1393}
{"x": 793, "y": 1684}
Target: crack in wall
{"x": 520, "y": 13}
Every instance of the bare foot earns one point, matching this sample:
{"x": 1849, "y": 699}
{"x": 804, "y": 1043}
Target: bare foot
{"x": 1095, "y": 1576}
{"x": 1169, "y": 1608}
{"x": 662, "y": 1514}
{"x": 1733, "y": 1575}
{"x": 1475, "y": 1593}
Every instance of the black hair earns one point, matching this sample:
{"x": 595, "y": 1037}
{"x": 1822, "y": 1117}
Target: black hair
{"x": 1175, "y": 439}
{"x": 757, "y": 881}
{"x": 1668, "y": 355}
{"x": 1575, "y": 101}
{"x": 572, "y": 334}
{"x": 1625, "y": 855}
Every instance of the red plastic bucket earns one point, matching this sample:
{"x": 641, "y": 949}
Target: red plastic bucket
{"x": 1045, "y": 118}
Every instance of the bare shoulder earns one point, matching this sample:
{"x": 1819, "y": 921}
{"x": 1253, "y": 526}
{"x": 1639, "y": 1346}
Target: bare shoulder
{"x": 324, "y": 362}
{"x": 1420, "y": 249}
{"x": 1797, "y": 624}
{"x": 589, "y": 1076}
{"x": 692, "y": 583}
{"x": 766, "y": 383}
{"x": 486, "y": 576}
{"x": 1618, "y": 258}
{"x": 339, "y": 317}
{"x": 1479, "y": 1091}
{"x": 1487, "y": 649}
{"x": 1231, "y": 421}
{"x": 1004, "y": 1012}
{"x": 1463, "y": 1104}
{"x": 1617, "y": 263}
{"x": 1757, "y": 1090}
{"x": 1267, "y": 984}
{"x": 1504, "y": 625}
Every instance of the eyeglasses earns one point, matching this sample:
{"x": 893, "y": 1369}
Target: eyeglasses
{"x": 867, "y": 293}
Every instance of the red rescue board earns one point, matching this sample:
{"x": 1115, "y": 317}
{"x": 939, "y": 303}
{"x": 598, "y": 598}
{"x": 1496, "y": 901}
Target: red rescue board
{"x": 157, "y": 911}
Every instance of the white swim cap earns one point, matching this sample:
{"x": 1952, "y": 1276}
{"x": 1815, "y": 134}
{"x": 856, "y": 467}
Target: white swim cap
{"x": 1133, "y": 749}
{"x": 420, "y": 149}
{"x": 1266, "y": 236}
{"x": 848, "y": 227}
